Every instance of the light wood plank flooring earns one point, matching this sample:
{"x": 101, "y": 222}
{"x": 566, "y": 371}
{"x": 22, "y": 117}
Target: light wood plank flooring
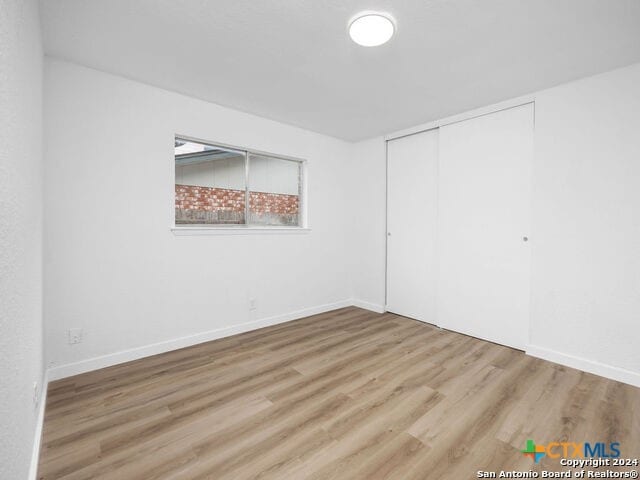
{"x": 347, "y": 394}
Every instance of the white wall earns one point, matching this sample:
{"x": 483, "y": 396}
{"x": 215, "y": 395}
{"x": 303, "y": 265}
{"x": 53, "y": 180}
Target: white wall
{"x": 112, "y": 265}
{"x": 368, "y": 230}
{"x": 113, "y": 268}
{"x": 20, "y": 232}
{"x": 586, "y": 223}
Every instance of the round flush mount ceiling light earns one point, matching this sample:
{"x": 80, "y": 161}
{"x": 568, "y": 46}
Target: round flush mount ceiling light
{"x": 371, "y": 29}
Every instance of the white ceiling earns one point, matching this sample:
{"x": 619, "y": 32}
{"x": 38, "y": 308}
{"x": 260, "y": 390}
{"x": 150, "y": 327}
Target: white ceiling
{"x": 293, "y": 61}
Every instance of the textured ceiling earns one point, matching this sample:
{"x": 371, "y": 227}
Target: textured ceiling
{"x": 292, "y": 60}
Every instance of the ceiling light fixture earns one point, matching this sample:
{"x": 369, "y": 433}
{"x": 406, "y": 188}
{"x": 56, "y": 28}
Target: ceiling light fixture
{"x": 371, "y": 29}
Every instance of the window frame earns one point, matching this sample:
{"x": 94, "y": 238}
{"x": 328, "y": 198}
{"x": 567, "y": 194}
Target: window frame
{"x": 246, "y": 228}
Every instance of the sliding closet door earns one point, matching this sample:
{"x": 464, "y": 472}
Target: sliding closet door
{"x": 411, "y": 223}
{"x": 483, "y": 225}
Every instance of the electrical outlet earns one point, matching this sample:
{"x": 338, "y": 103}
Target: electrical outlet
{"x": 36, "y": 393}
{"x": 253, "y": 304}
{"x": 75, "y": 336}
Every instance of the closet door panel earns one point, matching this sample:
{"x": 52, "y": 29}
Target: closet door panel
{"x": 411, "y": 225}
{"x": 483, "y": 223}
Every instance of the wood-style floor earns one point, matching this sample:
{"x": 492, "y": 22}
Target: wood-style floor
{"x": 348, "y": 394}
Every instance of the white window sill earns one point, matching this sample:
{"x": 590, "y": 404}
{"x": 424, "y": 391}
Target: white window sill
{"x": 238, "y": 230}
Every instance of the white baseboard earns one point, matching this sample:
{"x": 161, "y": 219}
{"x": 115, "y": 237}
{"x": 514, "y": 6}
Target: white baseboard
{"x": 374, "y": 307}
{"x": 35, "y": 453}
{"x": 591, "y": 366}
{"x": 71, "y": 369}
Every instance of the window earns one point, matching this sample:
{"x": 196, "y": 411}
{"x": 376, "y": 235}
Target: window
{"x": 224, "y": 186}
{"x": 274, "y": 191}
